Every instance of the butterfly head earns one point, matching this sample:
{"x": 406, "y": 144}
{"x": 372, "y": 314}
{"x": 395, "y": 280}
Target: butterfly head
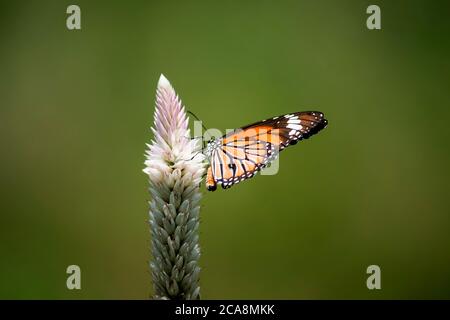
{"x": 212, "y": 145}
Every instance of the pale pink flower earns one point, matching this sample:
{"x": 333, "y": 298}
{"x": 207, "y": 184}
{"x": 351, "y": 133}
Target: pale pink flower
{"x": 175, "y": 169}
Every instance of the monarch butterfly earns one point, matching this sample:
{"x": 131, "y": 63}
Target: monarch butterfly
{"x": 240, "y": 154}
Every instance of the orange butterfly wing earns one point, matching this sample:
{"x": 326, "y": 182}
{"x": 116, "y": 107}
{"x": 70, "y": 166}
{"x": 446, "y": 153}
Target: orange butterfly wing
{"x": 244, "y": 152}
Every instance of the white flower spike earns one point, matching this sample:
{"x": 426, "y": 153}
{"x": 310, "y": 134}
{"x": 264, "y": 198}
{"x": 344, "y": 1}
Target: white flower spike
{"x": 175, "y": 171}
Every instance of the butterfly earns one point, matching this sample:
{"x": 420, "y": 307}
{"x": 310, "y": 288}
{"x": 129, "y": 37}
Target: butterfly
{"x": 240, "y": 154}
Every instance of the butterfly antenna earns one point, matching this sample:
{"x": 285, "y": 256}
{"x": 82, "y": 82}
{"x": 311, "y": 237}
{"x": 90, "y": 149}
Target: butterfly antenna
{"x": 192, "y": 114}
{"x": 201, "y": 122}
{"x": 196, "y": 154}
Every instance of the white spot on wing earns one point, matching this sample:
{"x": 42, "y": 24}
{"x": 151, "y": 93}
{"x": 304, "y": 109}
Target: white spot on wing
{"x": 294, "y": 126}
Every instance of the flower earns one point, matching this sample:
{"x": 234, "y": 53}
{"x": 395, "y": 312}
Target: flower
{"x": 175, "y": 171}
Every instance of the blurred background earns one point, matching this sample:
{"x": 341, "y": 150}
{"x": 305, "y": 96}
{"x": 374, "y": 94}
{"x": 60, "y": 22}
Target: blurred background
{"x": 75, "y": 114}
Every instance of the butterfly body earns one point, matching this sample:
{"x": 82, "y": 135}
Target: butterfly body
{"x": 240, "y": 154}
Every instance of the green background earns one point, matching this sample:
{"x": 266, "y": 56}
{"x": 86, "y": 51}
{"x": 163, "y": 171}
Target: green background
{"x": 372, "y": 188}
